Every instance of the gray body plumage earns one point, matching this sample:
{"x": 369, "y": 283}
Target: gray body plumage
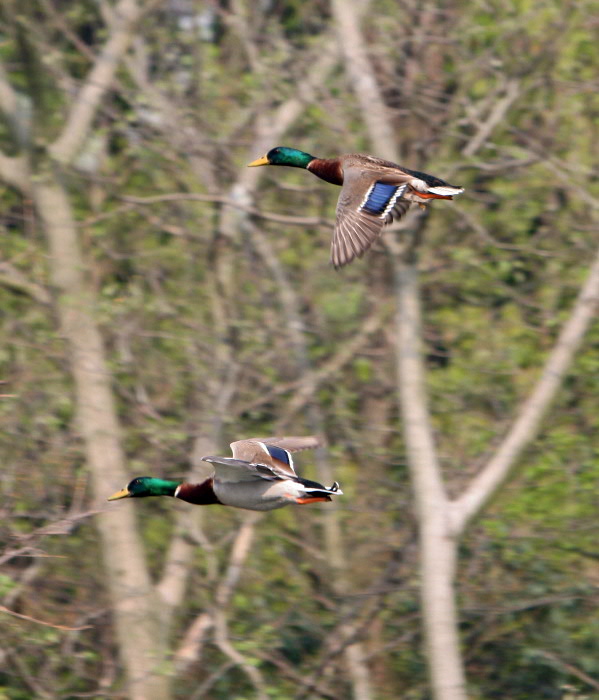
{"x": 261, "y": 476}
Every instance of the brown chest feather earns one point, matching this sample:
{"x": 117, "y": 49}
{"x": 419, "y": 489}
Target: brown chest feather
{"x": 198, "y": 494}
{"x": 328, "y": 169}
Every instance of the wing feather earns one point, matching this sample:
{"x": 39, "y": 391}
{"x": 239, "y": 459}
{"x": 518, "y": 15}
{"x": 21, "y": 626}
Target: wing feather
{"x": 356, "y": 229}
{"x": 353, "y": 234}
{"x": 256, "y": 451}
{"x": 229, "y": 469}
{"x": 293, "y": 443}
{"x": 401, "y": 207}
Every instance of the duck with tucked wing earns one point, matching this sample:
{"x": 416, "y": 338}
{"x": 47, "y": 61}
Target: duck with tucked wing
{"x": 375, "y": 192}
{"x": 259, "y": 476}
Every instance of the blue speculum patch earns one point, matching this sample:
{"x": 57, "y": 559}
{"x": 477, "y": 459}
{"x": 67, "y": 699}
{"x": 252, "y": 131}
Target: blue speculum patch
{"x": 278, "y": 453}
{"x": 379, "y": 198}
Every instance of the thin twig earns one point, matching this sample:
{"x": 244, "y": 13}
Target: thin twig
{"x": 570, "y": 668}
{"x": 527, "y": 424}
{"x": 42, "y": 622}
{"x": 227, "y": 201}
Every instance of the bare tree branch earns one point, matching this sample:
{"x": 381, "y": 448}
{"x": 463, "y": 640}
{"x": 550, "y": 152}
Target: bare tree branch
{"x": 205, "y": 685}
{"x": 18, "y": 661}
{"x": 299, "y": 678}
{"x": 412, "y": 395}
{"x": 438, "y": 551}
{"x": 347, "y": 633}
{"x": 189, "y": 649}
{"x": 239, "y": 553}
{"x": 238, "y": 197}
{"x": 228, "y": 225}
{"x": 571, "y": 669}
{"x": 14, "y": 172}
{"x": 304, "y": 388}
{"x": 11, "y": 277}
{"x": 42, "y": 622}
{"x": 527, "y": 424}
{"x": 8, "y": 96}
{"x": 495, "y": 116}
{"x": 132, "y": 593}
{"x": 307, "y": 386}
{"x": 99, "y": 80}
{"x": 63, "y": 526}
{"x": 221, "y": 637}
{"x": 17, "y": 110}
{"x": 235, "y": 203}
{"x": 364, "y": 84}
{"x": 335, "y": 549}
{"x": 574, "y": 177}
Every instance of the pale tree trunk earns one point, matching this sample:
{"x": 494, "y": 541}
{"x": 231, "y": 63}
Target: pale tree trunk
{"x": 173, "y": 582}
{"x": 362, "y": 77}
{"x": 133, "y": 599}
{"x": 134, "y": 603}
{"x": 179, "y": 557}
{"x": 438, "y": 548}
{"x": 530, "y": 414}
{"x": 267, "y": 134}
{"x": 334, "y": 546}
{"x": 441, "y": 521}
{"x": 354, "y": 655}
{"x": 172, "y": 585}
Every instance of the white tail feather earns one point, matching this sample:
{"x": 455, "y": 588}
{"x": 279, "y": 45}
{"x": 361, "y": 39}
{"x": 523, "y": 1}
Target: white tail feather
{"x": 445, "y": 190}
{"x": 334, "y": 490}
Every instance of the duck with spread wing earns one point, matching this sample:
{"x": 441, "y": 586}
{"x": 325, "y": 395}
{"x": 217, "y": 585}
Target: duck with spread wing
{"x": 259, "y": 476}
{"x": 374, "y": 192}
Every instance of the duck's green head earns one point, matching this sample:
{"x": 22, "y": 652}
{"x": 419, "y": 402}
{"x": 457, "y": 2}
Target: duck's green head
{"x": 143, "y": 486}
{"x": 281, "y": 155}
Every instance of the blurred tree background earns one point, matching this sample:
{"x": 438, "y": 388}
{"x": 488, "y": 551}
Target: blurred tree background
{"x": 159, "y": 300}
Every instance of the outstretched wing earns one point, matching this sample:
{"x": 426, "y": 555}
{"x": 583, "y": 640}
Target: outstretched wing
{"x": 273, "y": 452}
{"x": 229, "y": 469}
{"x": 363, "y": 208}
{"x": 292, "y": 444}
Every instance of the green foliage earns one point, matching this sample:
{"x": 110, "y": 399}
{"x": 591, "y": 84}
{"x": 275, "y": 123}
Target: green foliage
{"x": 189, "y": 309}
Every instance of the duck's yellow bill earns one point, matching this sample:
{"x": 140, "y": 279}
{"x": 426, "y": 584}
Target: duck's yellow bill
{"x": 123, "y": 493}
{"x": 258, "y": 161}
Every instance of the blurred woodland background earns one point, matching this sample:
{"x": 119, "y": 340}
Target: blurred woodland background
{"x": 159, "y": 300}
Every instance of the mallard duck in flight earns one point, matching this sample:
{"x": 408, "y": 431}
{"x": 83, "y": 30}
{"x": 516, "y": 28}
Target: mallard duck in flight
{"x": 259, "y": 476}
{"x": 374, "y": 193}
